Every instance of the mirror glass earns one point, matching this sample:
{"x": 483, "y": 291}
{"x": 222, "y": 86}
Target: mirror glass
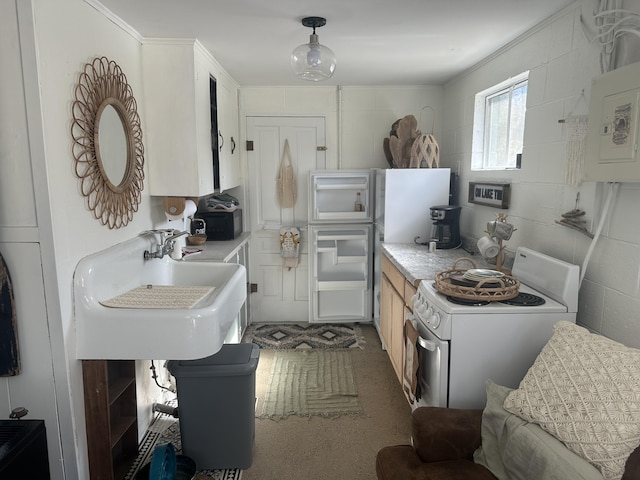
{"x": 113, "y": 145}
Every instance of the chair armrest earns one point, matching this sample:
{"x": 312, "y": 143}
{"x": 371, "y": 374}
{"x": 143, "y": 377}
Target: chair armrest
{"x": 441, "y": 434}
{"x": 632, "y": 467}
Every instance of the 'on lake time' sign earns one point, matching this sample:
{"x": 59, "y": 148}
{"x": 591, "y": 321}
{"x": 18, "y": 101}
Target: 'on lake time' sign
{"x": 490, "y": 194}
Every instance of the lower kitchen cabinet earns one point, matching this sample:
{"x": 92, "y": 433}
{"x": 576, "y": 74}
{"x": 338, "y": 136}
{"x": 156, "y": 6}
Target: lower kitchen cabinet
{"x": 391, "y": 312}
{"x": 111, "y": 417}
{"x": 395, "y": 304}
{"x": 241, "y": 256}
{"x": 231, "y": 251}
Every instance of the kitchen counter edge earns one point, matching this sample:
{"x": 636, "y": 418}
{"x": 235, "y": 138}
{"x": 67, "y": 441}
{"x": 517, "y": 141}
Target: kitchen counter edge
{"x": 217, "y": 251}
{"x": 416, "y": 263}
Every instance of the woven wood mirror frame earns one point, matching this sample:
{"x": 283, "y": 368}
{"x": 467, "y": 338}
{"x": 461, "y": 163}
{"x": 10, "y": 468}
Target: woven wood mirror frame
{"x": 101, "y": 85}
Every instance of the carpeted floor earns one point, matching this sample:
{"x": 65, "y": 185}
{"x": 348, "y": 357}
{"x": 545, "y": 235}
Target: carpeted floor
{"x": 304, "y": 336}
{"x": 345, "y": 447}
{"x": 315, "y": 447}
{"x": 311, "y": 382}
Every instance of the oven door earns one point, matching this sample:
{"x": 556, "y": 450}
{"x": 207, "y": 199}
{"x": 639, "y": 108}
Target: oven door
{"x": 433, "y": 372}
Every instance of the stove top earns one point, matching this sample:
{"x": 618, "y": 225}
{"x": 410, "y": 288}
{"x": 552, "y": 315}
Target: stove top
{"x": 522, "y": 299}
{"x": 527, "y": 301}
{"x": 548, "y": 292}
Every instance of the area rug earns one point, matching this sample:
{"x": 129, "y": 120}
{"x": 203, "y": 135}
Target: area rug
{"x": 311, "y": 382}
{"x": 301, "y": 336}
{"x": 166, "y": 429}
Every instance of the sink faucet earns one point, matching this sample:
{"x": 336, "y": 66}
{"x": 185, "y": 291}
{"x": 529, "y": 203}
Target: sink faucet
{"x": 166, "y": 245}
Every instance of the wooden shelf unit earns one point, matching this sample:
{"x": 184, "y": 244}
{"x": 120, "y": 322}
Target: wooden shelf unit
{"x": 111, "y": 417}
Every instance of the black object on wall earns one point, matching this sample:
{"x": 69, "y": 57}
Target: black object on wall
{"x": 9, "y": 354}
{"x": 454, "y": 188}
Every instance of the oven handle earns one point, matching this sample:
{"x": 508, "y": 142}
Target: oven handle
{"x": 423, "y": 342}
{"x": 427, "y": 344}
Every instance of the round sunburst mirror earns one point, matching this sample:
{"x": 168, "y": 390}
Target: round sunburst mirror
{"x": 107, "y": 143}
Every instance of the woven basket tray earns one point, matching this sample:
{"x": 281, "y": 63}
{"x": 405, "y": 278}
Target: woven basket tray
{"x": 489, "y": 289}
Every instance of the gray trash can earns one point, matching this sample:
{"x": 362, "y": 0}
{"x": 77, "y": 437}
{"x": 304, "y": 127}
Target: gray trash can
{"x": 216, "y": 406}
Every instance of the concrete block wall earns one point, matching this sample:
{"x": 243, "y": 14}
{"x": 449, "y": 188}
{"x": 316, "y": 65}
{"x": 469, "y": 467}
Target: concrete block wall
{"x": 561, "y": 62}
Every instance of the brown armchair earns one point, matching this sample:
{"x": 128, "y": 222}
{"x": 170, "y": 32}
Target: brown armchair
{"x": 444, "y": 441}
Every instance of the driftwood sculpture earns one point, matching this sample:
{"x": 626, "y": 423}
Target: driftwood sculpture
{"x": 407, "y": 147}
{"x": 398, "y": 146}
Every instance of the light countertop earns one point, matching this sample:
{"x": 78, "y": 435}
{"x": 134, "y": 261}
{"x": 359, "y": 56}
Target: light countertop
{"x": 216, "y": 251}
{"x": 417, "y": 263}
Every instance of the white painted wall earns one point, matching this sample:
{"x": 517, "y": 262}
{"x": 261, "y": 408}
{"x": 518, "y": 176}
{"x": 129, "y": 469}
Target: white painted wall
{"x": 561, "y": 62}
{"x": 40, "y": 202}
{"x": 44, "y": 46}
{"x": 358, "y": 118}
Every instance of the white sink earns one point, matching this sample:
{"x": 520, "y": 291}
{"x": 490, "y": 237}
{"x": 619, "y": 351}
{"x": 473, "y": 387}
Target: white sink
{"x": 184, "y": 333}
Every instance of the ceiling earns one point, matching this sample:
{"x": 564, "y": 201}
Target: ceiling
{"x": 376, "y": 42}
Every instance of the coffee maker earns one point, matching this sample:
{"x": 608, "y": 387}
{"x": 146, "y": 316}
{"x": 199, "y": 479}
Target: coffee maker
{"x": 445, "y": 230}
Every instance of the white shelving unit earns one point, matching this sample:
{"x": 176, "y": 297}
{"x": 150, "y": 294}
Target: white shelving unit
{"x": 340, "y": 269}
{"x": 334, "y": 196}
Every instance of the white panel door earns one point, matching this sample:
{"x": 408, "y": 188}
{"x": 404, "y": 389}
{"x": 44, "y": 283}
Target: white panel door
{"x": 33, "y": 388}
{"x": 283, "y": 293}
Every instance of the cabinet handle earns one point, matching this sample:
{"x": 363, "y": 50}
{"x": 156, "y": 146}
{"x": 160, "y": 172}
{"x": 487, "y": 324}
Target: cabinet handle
{"x": 233, "y": 145}
{"x": 221, "y": 140}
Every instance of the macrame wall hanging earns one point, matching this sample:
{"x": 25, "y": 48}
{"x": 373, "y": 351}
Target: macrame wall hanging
{"x": 576, "y": 129}
{"x": 290, "y": 246}
{"x": 286, "y": 181}
{"x": 575, "y": 149}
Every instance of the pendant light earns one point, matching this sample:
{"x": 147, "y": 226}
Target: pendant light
{"x": 312, "y": 61}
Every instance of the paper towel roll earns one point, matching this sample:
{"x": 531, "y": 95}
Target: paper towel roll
{"x": 189, "y": 209}
{"x": 488, "y": 247}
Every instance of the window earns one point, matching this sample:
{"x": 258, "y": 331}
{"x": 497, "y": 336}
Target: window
{"x": 499, "y": 125}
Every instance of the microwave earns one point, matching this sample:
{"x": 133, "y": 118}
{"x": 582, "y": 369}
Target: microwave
{"x": 222, "y": 225}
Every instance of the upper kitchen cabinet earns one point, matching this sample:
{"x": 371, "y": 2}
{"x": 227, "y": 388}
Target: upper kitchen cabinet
{"x": 191, "y": 115}
{"x": 228, "y": 128}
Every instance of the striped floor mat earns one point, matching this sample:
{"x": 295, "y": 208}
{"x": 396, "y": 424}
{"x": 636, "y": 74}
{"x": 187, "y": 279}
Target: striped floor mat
{"x": 166, "y": 429}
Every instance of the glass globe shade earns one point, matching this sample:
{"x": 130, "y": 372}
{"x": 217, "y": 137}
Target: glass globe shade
{"x": 312, "y": 61}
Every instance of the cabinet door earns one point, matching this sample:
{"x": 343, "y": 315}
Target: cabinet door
{"x": 242, "y": 319}
{"x": 229, "y": 156}
{"x": 397, "y": 334}
{"x": 178, "y": 121}
{"x": 392, "y": 324}
{"x": 386, "y": 302}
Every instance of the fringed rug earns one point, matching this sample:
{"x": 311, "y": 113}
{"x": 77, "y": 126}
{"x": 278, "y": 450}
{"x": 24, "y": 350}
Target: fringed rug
{"x": 166, "y": 429}
{"x": 303, "y": 336}
{"x": 311, "y": 382}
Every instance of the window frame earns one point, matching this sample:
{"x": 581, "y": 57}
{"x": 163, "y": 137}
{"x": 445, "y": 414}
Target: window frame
{"x": 482, "y": 122}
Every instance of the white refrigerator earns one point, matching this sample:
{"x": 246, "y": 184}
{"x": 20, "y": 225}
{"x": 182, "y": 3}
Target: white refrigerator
{"x": 403, "y": 198}
{"x": 340, "y": 246}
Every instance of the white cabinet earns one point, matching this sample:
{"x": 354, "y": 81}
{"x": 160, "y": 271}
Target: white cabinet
{"x": 178, "y": 145}
{"x": 230, "y": 251}
{"x": 241, "y": 256}
{"x": 228, "y": 131}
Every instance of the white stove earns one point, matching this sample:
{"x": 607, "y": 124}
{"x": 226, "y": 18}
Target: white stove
{"x": 463, "y": 345}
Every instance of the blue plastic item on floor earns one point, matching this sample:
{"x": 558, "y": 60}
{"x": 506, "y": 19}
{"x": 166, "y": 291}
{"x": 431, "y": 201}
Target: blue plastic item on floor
{"x": 163, "y": 463}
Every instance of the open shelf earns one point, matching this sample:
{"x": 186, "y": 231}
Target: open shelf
{"x": 111, "y": 416}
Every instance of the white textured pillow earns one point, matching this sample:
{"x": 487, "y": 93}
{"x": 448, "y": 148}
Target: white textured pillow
{"x": 585, "y": 390}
